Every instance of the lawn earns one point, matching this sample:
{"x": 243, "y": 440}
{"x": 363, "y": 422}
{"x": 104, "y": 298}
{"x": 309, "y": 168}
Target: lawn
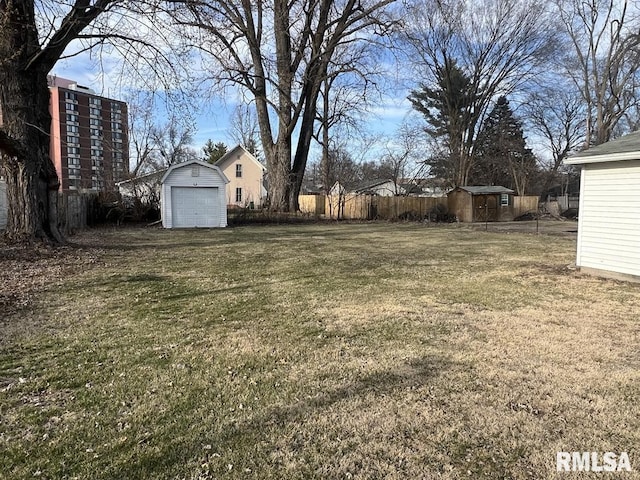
{"x": 362, "y": 351}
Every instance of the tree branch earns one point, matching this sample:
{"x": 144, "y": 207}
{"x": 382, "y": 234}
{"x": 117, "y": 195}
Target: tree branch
{"x": 81, "y": 15}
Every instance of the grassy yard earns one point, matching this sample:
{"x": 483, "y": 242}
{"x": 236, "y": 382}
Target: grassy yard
{"x": 370, "y": 351}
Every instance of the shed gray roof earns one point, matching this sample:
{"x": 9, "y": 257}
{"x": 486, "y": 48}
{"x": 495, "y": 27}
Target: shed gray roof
{"x": 486, "y": 189}
{"x": 623, "y": 148}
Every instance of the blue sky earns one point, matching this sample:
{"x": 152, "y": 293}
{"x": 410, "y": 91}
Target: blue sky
{"x": 212, "y": 114}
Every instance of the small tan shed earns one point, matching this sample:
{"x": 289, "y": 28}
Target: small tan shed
{"x": 485, "y": 203}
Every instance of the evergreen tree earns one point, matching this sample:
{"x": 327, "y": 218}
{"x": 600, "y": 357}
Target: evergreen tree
{"x": 213, "y": 151}
{"x": 502, "y": 156}
{"x": 449, "y": 111}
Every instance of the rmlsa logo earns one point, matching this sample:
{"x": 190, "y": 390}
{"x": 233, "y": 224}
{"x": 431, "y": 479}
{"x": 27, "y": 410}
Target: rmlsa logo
{"x": 592, "y": 462}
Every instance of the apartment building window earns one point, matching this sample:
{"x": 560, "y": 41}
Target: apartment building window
{"x": 73, "y": 162}
{"x": 95, "y": 122}
{"x": 74, "y": 183}
{"x": 96, "y": 163}
{"x": 96, "y": 142}
{"x": 71, "y": 96}
{"x": 96, "y": 152}
{"x": 73, "y": 172}
{"x": 116, "y": 117}
{"x": 95, "y": 102}
{"x": 117, "y": 135}
{"x": 72, "y": 118}
{"x": 116, "y": 107}
{"x": 97, "y": 183}
{"x": 238, "y": 194}
{"x": 73, "y": 140}
{"x": 73, "y": 150}
{"x": 238, "y": 170}
{"x": 95, "y": 132}
{"x": 116, "y": 126}
{"x": 96, "y": 112}
{"x": 72, "y": 129}
{"x": 70, "y": 107}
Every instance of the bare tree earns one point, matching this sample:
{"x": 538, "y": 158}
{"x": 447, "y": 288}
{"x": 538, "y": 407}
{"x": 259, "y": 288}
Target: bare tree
{"x": 172, "y": 141}
{"x": 498, "y": 45}
{"x": 243, "y": 128}
{"x": 280, "y": 52}
{"x": 34, "y": 35}
{"x": 402, "y": 156}
{"x": 558, "y": 116}
{"x": 605, "y": 62}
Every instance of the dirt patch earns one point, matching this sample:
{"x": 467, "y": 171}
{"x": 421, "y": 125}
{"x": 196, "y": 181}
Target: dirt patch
{"x": 28, "y": 270}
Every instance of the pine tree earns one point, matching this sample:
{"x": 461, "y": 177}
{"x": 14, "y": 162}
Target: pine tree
{"x": 502, "y": 156}
{"x": 448, "y": 109}
{"x": 213, "y": 151}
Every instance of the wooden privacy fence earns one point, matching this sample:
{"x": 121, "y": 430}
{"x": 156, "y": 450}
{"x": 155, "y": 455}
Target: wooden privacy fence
{"x": 3, "y": 205}
{"x": 76, "y": 211}
{"x": 525, "y": 204}
{"x": 371, "y": 207}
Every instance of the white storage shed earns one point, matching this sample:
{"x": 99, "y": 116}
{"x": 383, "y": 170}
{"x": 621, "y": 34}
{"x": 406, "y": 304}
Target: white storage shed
{"x": 609, "y": 212}
{"x": 193, "y": 195}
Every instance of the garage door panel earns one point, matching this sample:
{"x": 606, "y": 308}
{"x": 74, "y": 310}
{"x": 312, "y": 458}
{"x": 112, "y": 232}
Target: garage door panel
{"x": 195, "y": 207}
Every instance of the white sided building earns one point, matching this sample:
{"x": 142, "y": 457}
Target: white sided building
{"x": 193, "y": 196}
{"x": 609, "y": 212}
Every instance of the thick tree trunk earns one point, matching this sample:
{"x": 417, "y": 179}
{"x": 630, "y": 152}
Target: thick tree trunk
{"x": 31, "y": 178}
{"x": 25, "y": 123}
{"x": 279, "y": 170}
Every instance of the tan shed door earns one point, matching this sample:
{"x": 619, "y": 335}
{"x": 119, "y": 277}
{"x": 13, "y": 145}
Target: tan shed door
{"x": 195, "y": 207}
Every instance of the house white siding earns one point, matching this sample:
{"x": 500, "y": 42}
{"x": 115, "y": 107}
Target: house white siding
{"x": 3, "y": 205}
{"x": 193, "y": 195}
{"x": 609, "y": 217}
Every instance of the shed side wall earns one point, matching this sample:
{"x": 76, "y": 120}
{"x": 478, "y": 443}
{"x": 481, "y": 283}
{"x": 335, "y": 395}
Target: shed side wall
{"x": 609, "y": 221}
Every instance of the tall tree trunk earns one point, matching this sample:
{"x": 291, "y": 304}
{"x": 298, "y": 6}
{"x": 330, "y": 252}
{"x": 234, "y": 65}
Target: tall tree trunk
{"x": 25, "y": 123}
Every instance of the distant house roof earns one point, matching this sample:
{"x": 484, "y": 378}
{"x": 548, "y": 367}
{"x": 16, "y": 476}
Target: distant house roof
{"x": 146, "y": 176}
{"x": 230, "y": 155}
{"x": 486, "y": 189}
{"x": 369, "y": 184}
{"x": 623, "y": 148}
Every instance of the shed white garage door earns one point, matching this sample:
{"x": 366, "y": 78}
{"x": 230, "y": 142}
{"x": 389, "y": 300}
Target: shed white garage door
{"x": 195, "y": 207}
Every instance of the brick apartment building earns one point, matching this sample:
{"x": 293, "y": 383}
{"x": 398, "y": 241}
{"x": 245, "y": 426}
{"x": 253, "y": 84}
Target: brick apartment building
{"x": 89, "y": 140}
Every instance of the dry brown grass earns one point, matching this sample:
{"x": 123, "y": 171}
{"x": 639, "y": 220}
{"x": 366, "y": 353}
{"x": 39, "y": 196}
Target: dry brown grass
{"x": 348, "y": 351}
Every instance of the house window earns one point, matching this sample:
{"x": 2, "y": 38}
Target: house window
{"x": 195, "y": 171}
{"x": 238, "y": 170}
{"x": 504, "y": 199}
{"x": 238, "y": 195}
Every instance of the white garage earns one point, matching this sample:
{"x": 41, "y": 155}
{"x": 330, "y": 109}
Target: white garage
{"x": 609, "y": 213}
{"x": 193, "y": 196}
